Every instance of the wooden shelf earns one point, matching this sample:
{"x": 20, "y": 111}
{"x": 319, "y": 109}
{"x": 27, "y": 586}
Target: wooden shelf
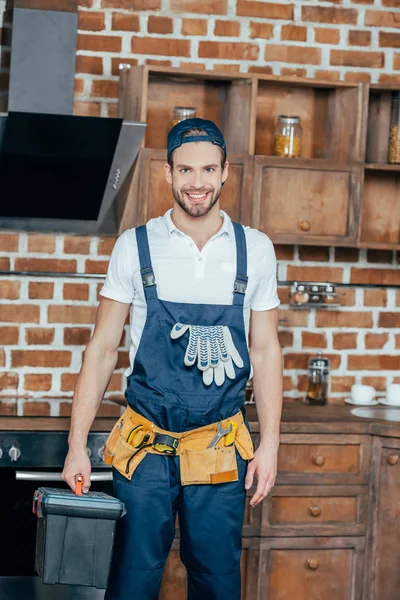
{"x": 382, "y": 167}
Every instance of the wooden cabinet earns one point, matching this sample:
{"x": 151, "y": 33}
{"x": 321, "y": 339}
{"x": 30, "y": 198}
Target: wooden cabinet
{"x": 384, "y": 539}
{"x": 311, "y": 569}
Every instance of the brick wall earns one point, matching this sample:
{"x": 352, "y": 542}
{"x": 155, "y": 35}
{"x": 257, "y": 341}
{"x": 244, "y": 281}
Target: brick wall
{"x": 46, "y": 322}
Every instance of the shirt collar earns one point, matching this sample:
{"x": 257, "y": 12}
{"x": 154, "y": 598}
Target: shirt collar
{"x": 226, "y": 228}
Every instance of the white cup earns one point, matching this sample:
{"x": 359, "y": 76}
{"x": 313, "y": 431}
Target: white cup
{"x": 362, "y": 394}
{"x": 393, "y": 393}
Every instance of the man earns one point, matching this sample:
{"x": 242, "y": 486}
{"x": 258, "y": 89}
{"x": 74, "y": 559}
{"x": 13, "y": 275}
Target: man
{"x": 198, "y": 285}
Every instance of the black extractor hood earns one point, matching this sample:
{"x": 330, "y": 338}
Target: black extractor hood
{"x": 58, "y": 171}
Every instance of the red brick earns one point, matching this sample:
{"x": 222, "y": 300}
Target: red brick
{"x": 394, "y": 3}
{"x": 230, "y": 50}
{"x": 327, "y": 36}
{"x": 41, "y": 243}
{"x": 9, "y": 242}
{"x": 105, "y": 88}
{"x": 317, "y": 253}
{"x": 389, "y": 39}
{"x": 389, "y": 319}
{"x": 161, "y": 62}
{"x": 397, "y": 341}
{"x": 89, "y": 64}
{"x": 2, "y": 358}
{"x": 41, "y": 290}
{"x": 116, "y": 62}
{"x": 283, "y": 252}
{"x": 327, "y": 14}
{"x": 284, "y": 295}
{"x": 206, "y": 7}
{"x": 285, "y": 339}
{"x": 8, "y": 408}
{"x": 357, "y": 58}
{"x": 381, "y": 276}
{"x": 293, "y": 318}
{"x": 96, "y": 266}
{"x": 76, "y": 244}
{"x": 287, "y": 383}
{"x": 9, "y": 290}
{"x": 364, "y": 1}
{"x": 396, "y": 61}
{"x": 376, "y": 297}
{"x": 313, "y": 340}
{"x": 157, "y": 24}
{"x": 8, "y": 381}
{"x": 123, "y": 360}
{"x": 398, "y": 298}
{"x": 124, "y": 22}
{"x": 87, "y": 109}
{"x": 79, "y": 86}
{"x": 359, "y": 38}
{"x": 99, "y": 43}
{"x": 294, "y": 33}
{"x": 259, "y": 69}
{"x": 40, "y": 358}
{"x": 68, "y": 382}
{"x": 90, "y": 20}
{"x": 336, "y": 318}
{"x": 19, "y": 313}
{"x": 293, "y": 54}
{"x": 333, "y": 274}
{"x": 376, "y": 341}
{"x": 194, "y": 26}
{"x": 76, "y": 291}
{"x": 327, "y": 75}
{"x": 71, "y": 314}
{"x": 45, "y": 264}
{"x": 382, "y": 18}
{"x": 300, "y": 361}
{"x": 227, "y": 28}
{"x": 9, "y": 336}
{"x": 379, "y": 383}
{"x": 226, "y": 68}
{"x": 346, "y": 296}
{"x": 293, "y": 72}
{"x": 36, "y": 408}
{"x": 342, "y": 383}
{"x": 163, "y": 46}
{"x": 261, "y": 30}
{"x": 4, "y": 264}
{"x": 132, "y": 5}
{"x": 373, "y": 362}
{"x": 77, "y": 336}
{"x": 39, "y": 335}
{"x": 380, "y": 256}
{"x": 266, "y": 10}
{"x": 391, "y": 79}
{"x": 355, "y": 77}
{"x": 344, "y": 341}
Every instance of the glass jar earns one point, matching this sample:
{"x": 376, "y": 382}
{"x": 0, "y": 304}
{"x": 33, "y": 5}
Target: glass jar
{"x": 394, "y": 137}
{"x": 287, "y": 137}
{"x": 183, "y": 112}
{"x": 318, "y": 380}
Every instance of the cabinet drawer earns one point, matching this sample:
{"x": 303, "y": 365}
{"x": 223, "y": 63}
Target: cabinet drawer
{"x": 311, "y": 570}
{"x": 299, "y": 510}
{"x": 323, "y": 458}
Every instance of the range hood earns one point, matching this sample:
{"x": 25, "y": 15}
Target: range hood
{"x": 58, "y": 171}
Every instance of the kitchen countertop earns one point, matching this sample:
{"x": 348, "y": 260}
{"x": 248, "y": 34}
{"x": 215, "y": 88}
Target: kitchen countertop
{"x": 296, "y": 418}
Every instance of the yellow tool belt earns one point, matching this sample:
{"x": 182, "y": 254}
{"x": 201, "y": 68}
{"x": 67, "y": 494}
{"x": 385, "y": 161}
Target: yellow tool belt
{"x": 134, "y": 436}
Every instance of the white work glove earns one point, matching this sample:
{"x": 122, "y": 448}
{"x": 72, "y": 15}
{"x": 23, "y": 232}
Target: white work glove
{"x": 214, "y": 349}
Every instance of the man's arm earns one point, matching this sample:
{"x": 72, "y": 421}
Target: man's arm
{"x": 99, "y": 360}
{"x": 266, "y": 359}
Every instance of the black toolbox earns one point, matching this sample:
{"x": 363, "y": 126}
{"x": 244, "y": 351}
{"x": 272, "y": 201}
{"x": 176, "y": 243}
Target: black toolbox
{"x": 75, "y": 536}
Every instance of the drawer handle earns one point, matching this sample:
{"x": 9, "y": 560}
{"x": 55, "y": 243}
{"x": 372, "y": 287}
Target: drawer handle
{"x": 312, "y": 563}
{"x": 319, "y": 460}
{"x": 315, "y": 511}
{"x": 393, "y": 459}
{"x": 305, "y": 225}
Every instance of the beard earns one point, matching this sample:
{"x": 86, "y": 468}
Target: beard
{"x": 200, "y": 209}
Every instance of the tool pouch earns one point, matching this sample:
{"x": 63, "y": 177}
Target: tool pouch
{"x": 210, "y": 465}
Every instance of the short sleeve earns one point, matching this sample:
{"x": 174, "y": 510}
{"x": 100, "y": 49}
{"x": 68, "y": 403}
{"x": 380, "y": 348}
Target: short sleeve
{"x": 119, "y": 280}
{"x": 266, "y": 296}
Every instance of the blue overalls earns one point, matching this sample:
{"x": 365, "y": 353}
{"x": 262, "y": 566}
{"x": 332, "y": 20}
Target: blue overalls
{"x": 164, "y": 389}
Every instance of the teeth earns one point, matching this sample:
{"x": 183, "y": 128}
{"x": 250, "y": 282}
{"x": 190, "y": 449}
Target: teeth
{"x": 197, "y": 196}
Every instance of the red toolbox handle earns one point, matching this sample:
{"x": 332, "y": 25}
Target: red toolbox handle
{"x": 79, "y": 479}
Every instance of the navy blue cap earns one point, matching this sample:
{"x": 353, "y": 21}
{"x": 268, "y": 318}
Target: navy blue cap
{"x": 176, "y": 139}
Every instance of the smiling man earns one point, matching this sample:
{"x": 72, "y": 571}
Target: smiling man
{"x": 199, "y": 287}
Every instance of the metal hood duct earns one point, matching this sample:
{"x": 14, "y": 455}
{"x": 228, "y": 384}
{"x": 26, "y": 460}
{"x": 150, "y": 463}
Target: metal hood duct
{"x": 58, "y": 172}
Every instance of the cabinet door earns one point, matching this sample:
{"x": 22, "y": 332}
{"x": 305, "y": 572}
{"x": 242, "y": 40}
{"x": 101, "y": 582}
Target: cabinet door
{"x": 311, "y": 569}
{"x": 155, "y": 195}
{"x": 385, "y": 539}
{"x": 306, "y": 201}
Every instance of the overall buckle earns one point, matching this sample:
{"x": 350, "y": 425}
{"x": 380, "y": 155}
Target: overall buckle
{"x": 148, "y": 278}
{"x": 240, "y": 284}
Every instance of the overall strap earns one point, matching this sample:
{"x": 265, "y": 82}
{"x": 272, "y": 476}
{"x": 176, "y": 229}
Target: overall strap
{"x": 240, "y": 285}
{"x": 146, "y": 268}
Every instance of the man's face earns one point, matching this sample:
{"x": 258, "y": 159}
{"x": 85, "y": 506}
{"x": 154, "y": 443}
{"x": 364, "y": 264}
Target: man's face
{"x": 196, "y": 177}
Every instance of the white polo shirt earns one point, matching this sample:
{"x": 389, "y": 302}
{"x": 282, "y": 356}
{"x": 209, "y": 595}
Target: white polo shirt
{"x": 185, "y": 274}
